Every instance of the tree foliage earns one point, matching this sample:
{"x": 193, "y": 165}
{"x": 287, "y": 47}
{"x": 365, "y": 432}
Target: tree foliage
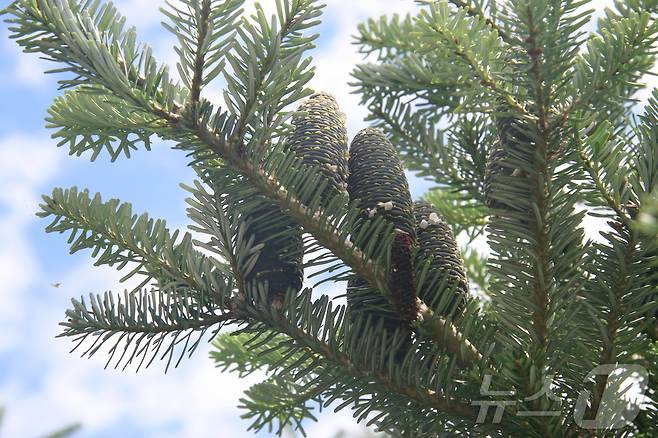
{"x": 522, "y": 118}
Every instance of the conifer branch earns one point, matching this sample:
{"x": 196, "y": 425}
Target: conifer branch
{"x": 280, "y": 398}
{"x": 614, "y": 319}
{"x": 541, "y": 249}
{"x": 558, "y": 306}
{"x": 475, "y": 11}
{"x": 607, "y": 196}
{"x": 199, "y": 58}
{"x": 92, "y": 119}
{"x": 418, "y": 395}
{"x": 631, "y": 38}
{"x": 133, "y": 85}
{"x": 442, "y": 332}
{"x": 141, "y": 322}
{"x": 312, "y": 341}
{"x": 461, "y": 41}
{"x": 206, "y": 33}
{"x": 121, "y": 237}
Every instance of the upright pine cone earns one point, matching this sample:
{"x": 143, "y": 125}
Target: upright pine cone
{"x": 320, "y": 140}
{"x": 401, "y": 278}
{"x": 499, "y": 167}
{"x": 378, "y": 184}
{"x": 280, "y": 259}
{"x": 437, "y": 244}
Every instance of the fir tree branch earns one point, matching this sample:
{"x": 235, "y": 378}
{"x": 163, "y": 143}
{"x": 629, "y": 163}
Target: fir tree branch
{"x": 614, "y": 320}
{"x": 308, "y": 327}
{"x": 206, "y": 32}
{"x": 418, "y": 395}
{"x": 329, "y": 380}
{"x": 618, "y": 273}
{"x": 475, "y": 11}
{"x": 541, "y": 299}
{"x": 389, "y": 38}
{"x": 216, "y": 217}
{"x": 93, "y": 45}
{"x": 267, "y": 64}
{"x": 142, "y": 322}
{"x": 644, "y": 177}
{"x": 588, "y": 165}
{"x": 231, "y": 153}
{"x": 615, "y": 60}
{"x": 283, "y": 399}
{"x": 447, "y": 335}
{"x": 199, "y": 58}
{"x": 442, "y": 332}
{"x": 92, "y": 119}
{"x": 283, "y": 396}
{"x": 121, "y": 237}
{"x": 451, "y": 339}
{"x": 454, "y": 34}
{"x": 82, "y": 321}
{"x": 144, "y": 91}
{"x": 538, "y": 262}
{"x": 532, "y": 213}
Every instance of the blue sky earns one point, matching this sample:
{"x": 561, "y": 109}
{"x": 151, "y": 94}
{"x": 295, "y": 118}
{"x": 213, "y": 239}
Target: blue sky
{"x": 41, "y": 384}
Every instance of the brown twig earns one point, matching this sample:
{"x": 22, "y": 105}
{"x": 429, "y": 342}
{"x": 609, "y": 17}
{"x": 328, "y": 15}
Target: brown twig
{"x": 476, "y": 12}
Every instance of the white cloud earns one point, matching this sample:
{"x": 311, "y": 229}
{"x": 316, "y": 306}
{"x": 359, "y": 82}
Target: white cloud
{"x": 17, "y": 271}
{"x": 25, "y": 163}
{"x": 28, "y": 159}
{"x": 196, "y": 395}
{"x": 143, "y": 14}
{"x": 25, "y": 69}
{"x": 343, "y": 420}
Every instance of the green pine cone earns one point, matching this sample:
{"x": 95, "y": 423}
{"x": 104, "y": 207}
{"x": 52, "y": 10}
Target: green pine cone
{"x": 437, "y": 243}
{"x": 401, "y": 278}
{"x": 498, "y": 167}
{"x": 378, "y": 182}
{"x": 493, "y": 170}
{"x": 362, "y": 299}
{"x": 379, "y": 186}
{"x": 320, "y": 139}
{"x": 281, "y": 258}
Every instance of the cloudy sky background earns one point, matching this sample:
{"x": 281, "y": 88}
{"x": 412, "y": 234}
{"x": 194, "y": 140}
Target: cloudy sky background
{"x": 44, "y": 387}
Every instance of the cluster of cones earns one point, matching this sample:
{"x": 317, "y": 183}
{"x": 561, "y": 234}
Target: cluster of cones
{"x": 371, "y": 172}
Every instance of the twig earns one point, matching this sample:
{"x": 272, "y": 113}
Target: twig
{"x": 476, "y": 12}
{"x": 609, "y": 199}
{"x": 199, "y": 56}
